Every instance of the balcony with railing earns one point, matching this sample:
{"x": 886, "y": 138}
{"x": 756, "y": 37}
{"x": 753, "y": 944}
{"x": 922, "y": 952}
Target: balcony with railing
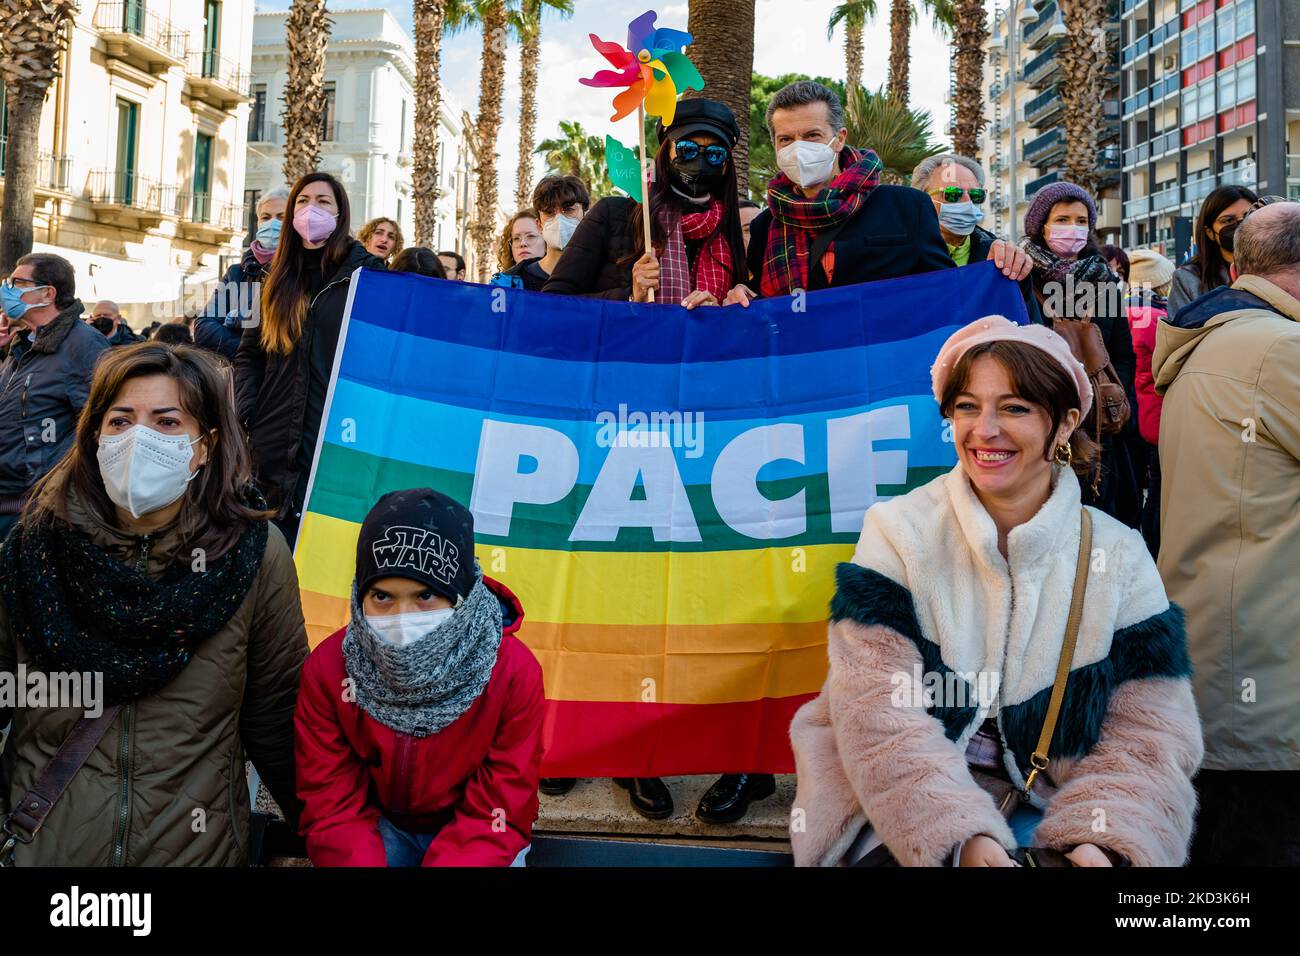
{"x": 1034, "y": 185}
{"x": 1198, "y": 188}
{"x": 1042, "y": 69}
{"x": 139, "y": 37}
{"x": 1045, "y": 108}
{"x": 1163, "y": 199}
{"x": 1046, "y": 27}
{"x": 1136, "y": 208}
{"x": 1243, "y": 175}
{"x": 202, "y": 218}
{"x": 52, "y": 171}
{"x": 217, "y": 80}
{"x": 123, "y": 198}
{"x": 1044, "y": 149}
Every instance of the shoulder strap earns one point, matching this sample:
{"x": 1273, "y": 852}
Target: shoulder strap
{"x": 28, "y": 815}
{"x": 1038, "y": 760}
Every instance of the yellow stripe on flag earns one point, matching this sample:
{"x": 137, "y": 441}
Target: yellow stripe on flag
{"x": 754, "y": 587}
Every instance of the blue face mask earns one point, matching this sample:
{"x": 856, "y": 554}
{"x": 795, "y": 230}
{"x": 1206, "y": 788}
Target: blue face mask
{"x": 11, "y": 300}
{"x": 960, "y": 218}
{"x": 268, "y": 234}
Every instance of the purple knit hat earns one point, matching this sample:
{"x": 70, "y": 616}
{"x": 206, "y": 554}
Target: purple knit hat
{"x": 1049, "y": 196}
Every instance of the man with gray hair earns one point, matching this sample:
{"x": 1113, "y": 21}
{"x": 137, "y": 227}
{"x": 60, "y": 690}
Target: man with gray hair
{"x": 955, "y": 185}
{"x": 829, "y": 221}
{"x": 106, "y": 317}
{"x": 234, "y": 303}
{"x": 1229, "y": 369}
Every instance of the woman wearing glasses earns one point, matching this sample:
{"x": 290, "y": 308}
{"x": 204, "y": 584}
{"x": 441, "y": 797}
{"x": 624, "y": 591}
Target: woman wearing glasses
{"x": 699, "y": 250}
{"x": 1222, "y": 210}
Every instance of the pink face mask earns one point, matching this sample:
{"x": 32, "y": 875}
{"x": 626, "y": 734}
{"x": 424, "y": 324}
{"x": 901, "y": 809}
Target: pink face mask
{"x": 314, "y": 224}
{"x": 1066, "y": 240}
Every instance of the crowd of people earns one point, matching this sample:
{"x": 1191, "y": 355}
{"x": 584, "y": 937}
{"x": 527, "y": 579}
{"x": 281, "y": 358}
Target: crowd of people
{"x": 152, "y": 488}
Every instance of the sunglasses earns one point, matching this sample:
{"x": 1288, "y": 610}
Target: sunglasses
{"x": 954, "y": 194}
{"x": 688, "y": 150}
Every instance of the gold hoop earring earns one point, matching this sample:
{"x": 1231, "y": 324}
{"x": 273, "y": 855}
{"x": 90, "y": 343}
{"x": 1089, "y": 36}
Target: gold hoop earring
{"x": 1064, "y": 455}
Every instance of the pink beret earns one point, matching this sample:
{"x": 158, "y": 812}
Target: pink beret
{"x": 996, "y": 328}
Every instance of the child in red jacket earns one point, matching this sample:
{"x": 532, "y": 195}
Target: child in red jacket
{"x": 1149, "y": 277}
{"x": 419, "y": 725}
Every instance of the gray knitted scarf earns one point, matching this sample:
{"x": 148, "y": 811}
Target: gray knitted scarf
{"x": 422, "y": 687}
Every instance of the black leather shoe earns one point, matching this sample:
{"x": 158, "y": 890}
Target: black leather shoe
{"x": 555, "y": 786}
{"x": 649, "y": 795}
{"x": 729, "y": 798}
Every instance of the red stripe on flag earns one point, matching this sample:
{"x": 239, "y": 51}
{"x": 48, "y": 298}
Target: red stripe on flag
{"x": 618, "y": 739}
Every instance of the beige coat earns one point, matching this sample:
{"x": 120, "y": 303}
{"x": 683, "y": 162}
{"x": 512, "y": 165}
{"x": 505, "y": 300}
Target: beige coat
{"x": 1230, "y": 521}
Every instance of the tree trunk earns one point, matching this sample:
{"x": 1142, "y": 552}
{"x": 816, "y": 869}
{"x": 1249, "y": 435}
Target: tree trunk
{"x": 429, "y": 19}
{"x": 971, "y": 33}
{"x": 852, "y": 55}
{"x": 491, "y": 82}
{"x": 307, "y": 31}
{"x": 900, "y": 27}
{"x": 723, "y": 51}
{"x": 21, "y": 164}
{"x": 529, "y": 57}
{"x": 1083, "y": 54}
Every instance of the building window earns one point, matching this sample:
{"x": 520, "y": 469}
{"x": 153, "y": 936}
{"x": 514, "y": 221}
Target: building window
{"x": 1245, "y": 17}
{"x": 328, "y": 128}
{"x": 1189, "y": 106}
{"x": 211, "y": 36}
{"x": 1189, "y": 48}
{"x": 257, "y": 115}
{"x": 1226, "y": 17}
{"x": 1246, "y": 80}
{"x": 1227, "y": 88}
{"x": 1205, "y": 97}
{"x": 401, "y": 147}
{"x": 201, "y": 206}
{"x": 123, "y": 186}
{"x": 251, "y": 196}
{"x": 1205, "y": 39}
{"x": 399, "y": 211}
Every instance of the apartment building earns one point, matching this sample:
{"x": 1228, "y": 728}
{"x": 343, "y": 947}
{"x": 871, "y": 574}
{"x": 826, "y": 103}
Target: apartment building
{"x": 142, "y": 150}
{"x": 1211, "y": 97}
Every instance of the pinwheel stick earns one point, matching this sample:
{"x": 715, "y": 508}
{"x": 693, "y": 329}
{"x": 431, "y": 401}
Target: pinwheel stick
{"x": 645, "y": 189}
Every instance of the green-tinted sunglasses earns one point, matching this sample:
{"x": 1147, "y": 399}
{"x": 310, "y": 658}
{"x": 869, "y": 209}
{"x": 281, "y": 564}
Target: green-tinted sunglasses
{"x": 954, "y": 194}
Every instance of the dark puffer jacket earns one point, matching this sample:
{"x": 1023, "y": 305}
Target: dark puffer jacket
{"x": 234, "y": 302}
{"x": 43, "y": 386}
{"x": 272, "y": 390}
{"x": 166, "y": 786}
{"x": 597, "y": 262}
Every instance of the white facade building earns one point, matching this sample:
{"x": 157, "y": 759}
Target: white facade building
{"x": 141, "y": 148}
{"x": 369, "y": 123}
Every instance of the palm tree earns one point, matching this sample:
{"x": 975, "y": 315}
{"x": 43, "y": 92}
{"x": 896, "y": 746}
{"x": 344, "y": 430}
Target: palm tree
{"x": 1083, "y": 53}
{"x": 429, "y": 17}
{"x": 854, "y": 14}
{"x": 902, "y": 15}
{"x": 723, "y": 51}
{"x": 575, "y": 152}
{"x": 31, "y": 38}
{"x": 970, "y": 34}
{"x": 527, "y": 21}
{"x": 306, "y": 33}
{"x": 494, "y": 17}
{"x": 900, "y": 136}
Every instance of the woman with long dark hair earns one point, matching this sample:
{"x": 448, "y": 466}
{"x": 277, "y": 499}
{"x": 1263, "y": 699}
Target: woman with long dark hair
{"x": 698, "y": 253}
{"x": 283, "y": 365}
{"x": 1218, "y": 219}
{"x": 145, "y": 565}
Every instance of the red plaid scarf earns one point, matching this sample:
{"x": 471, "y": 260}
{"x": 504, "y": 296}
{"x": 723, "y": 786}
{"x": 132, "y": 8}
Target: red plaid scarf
{"x": 715, "y": 271}
{"x": 796, "y": 219}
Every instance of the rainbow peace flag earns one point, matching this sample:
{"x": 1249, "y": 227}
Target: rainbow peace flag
{"x": 667, "y": 492}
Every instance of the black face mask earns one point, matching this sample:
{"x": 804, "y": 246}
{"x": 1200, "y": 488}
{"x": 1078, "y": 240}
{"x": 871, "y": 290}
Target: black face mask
{"x": 103, "y": 325}
{"x": 1226, "y": 236}
{"x": 696, "y": 178}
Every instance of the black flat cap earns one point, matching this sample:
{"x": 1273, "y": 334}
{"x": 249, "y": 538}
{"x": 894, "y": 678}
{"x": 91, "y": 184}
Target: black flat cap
{"x": 698, "y": 113}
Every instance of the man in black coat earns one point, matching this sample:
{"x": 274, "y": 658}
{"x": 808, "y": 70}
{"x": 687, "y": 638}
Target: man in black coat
{"x": 107, "y": 319}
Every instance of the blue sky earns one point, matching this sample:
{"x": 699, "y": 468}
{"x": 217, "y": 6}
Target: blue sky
{"x": 790, "y": 37}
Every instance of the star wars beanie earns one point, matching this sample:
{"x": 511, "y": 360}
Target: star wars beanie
{"x": 419, "y": 534}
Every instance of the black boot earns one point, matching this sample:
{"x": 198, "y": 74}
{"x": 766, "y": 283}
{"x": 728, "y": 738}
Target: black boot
{"x": 649, "y": 795}
{"x": 555, "y": 786}
{"x": 729, "y": 798}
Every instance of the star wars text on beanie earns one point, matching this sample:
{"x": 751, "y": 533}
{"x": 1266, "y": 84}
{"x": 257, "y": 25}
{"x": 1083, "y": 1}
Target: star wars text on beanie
{"x": 420, "y": 534}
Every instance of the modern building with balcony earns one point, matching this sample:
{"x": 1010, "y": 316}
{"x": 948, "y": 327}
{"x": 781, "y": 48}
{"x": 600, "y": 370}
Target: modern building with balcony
{"x": 1025, "y": 148}
{"x": 141, "y": 160}
{"x": 368, "y": 128}
{"x": 1211, "y": 97}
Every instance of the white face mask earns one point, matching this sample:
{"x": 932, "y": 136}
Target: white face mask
{"x": 144, "y": 470}
{"x": 559, "y": 230}
{"x": 807, "y": 164}
{"x": 402, "y": 629}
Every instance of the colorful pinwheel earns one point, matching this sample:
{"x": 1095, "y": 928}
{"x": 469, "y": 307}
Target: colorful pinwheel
{"x": 652, "y": 69}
